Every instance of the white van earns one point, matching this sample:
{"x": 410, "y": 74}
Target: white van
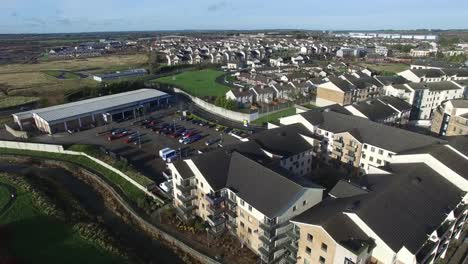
{"x": 168, "y": 155}
{"x": 162, "y": 151}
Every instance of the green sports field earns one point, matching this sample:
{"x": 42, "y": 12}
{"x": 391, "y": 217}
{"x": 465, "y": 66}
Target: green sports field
{"x": 197, "y": 83}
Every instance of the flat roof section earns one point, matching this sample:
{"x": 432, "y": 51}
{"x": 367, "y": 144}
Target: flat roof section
{"x": 93, "y": 105}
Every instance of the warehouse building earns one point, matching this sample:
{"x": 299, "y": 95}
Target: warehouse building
{"x": 92, "y": 112}
{"x": 120, "y": 75}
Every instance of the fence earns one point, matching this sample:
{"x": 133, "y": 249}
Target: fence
{"x": 216, "y": 110}
{"x": 61, "y": 150}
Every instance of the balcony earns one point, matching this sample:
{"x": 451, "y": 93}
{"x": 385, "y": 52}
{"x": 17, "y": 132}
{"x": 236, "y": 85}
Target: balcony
{"x": 350, "y": 147}
{"x": 187, "y": 207}
{"x": 294, "y": 233}
{"x": 186, "y": 198}
{"x": 185, "y": 186}
{"x": 291, "y": 247}
{"x": 215, "y": 198}
{"x": 231, "y": 224}
{"x": 216, "y": 220}
{"x": 232, "y": 212}
{"x": 338, "y": 143}
{"x": 268, "y": 227}
{"x": 266, "y": 239}
{"x": 215, "y": 209}
{"x": 350, "y": 156}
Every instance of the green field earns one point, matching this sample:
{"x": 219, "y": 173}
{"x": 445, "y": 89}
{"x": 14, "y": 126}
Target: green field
{"x": 386, "y": 68}
{"x": 11, "y": 101}
{"x": 198, "y": 83}
{"x": 34, "y": 237}
{"x": 274, "y": 117}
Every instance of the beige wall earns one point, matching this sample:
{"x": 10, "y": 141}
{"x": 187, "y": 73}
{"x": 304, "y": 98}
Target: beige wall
{"x": 330, "y": 95}
{"x": 319, "y": 237}
{"x": 250, "y": 239}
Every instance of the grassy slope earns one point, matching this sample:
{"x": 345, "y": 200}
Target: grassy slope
{"x": 129, "y": 189}
{"x": 36, "y": 238}
{"x": 4, "y": 196}
{"x": 276, "y": 116}
{"x": 198, "y": 83}
{"x": 10, "y": 101}
{"x": 66, "y": 75}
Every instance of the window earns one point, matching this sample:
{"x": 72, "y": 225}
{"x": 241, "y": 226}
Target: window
{"x": 363, "y": 155}
{"x": 242, "y": 202}
{"x": 380, "y": 152}
{"x": 241, "y": 214}
{"x": 371, "y": 158}
{"x": 390, "y": 155}
{"x": 322, "y": 260}
{"x": 310, "y": 237}
{"x": 308, "y": 250}
{"x": 242, "y": 224}
{"x": 365, "y": 146}
{"x": 249, "y": 230}
{"x": 294, "y": 208}
{"x": 324, "y": 247}
{"x": 250, "y": 208}
{"x": 201, "y": 184}
{"x": 304, "y": 203}
{"x": 203, "y": 206}
{"x": 372, "y": 149}
{"x": 379, "y": 161}
{"x": 249, "y": 219}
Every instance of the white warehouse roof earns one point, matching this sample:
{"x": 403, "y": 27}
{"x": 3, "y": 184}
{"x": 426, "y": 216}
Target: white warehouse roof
{"x": 95, "y": 105}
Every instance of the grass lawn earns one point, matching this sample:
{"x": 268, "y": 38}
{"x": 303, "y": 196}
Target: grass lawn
{"x": 37, "y": 238}
{"x": 10, "y": 101}
{"x": 197, "y": 83}
{"x": 310, "y": 106}
{"x": 386, "y": 67}
{"x": 4, "y": 196}
{"x": 272, "y": 118}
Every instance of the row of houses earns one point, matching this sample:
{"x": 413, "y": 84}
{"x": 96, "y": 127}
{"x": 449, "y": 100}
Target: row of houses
{"x": 261, "y": 191}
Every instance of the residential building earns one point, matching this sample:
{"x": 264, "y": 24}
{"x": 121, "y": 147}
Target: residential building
{"x": 233, "y": 188}
{"x": 426, "y": 97}
{"x": 356, "y": 141}
{"x": 388, "y": 216}
{"x": 451, "y": 118}
{"x": 347, "y": 89}
{"x": 387, "y": 109}
{"x": 434, "y": 74}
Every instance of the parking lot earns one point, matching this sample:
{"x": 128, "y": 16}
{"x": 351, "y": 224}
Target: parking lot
{"x": 143, "y": 153}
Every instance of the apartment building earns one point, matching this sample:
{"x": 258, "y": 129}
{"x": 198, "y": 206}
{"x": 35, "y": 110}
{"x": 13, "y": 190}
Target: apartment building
{"x": 386, "y": 109}
{"x": 347, "y": 89}
{"x": 388, "y": 216}
{"x": 357, "y": 141}
{"x": 426, "y": 97}
{"x": 233, "y": 188}
{"x": 434, "y": 75}
{"x": 451, "y": 118}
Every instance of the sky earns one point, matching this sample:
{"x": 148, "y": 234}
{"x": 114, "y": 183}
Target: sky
{"x": 64, "y": 16}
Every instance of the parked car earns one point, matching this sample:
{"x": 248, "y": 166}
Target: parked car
{"x": 192, "y": 139}
{"x": 211, "y": 141}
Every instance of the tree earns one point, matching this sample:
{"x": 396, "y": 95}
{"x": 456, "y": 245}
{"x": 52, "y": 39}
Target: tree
{"x": 155, "y": 61}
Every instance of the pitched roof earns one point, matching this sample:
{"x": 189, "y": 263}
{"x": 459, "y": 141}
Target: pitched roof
{"x": 428, "y": 73}
{"x": 400, "y": 207}
{"x": 375, "y": 110}
{"x": 285, "y": 140}
{"x": 260, "y": 186}
{"x": 344, "y": 189}
{"x": 391, "y": 80}
{"x": 434, "y": 86}
{"x": 460, "y": 103}
{"x": 399, "y": 104}
{"x": 373, "y": 133}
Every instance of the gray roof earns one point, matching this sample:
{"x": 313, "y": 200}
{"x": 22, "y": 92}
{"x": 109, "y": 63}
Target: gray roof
{"x": 391, "y": 80}
{"x": 379, "y": 135}
{"x": 396, "y": 102}
{"x": 400, "y": 208}
{"x": 96, "y": 105}
{"x": 434, "y": 86}
{"x": 460, "y": 103}
{"x": 285, "y": 140}
{"x": 375, "y": 110}
{"x": 344, "y": 189}
{"x": 266, "y": 190}
{"x": 428, "y": 73}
